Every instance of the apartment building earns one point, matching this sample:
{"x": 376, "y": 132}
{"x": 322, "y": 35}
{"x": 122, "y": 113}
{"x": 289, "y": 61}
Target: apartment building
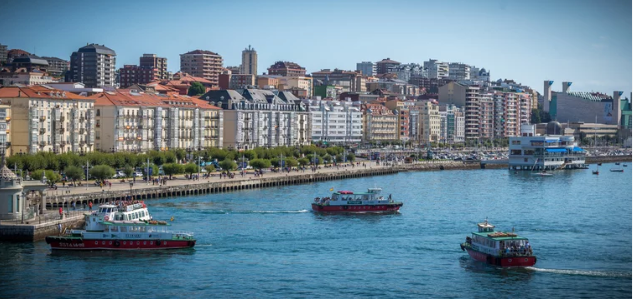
{"x": 129, "y": 120}
{"x": 430, "y": 127}
{"x": 153, "y": 62}
{"x": 133, "y": 74}
{"x": 383, "y": 66}
{"x": 249, "y": 61}
{"x": 257, "y": 118}
{"x": 5, "y": 127}
{"x": 379, "y": 123}
{"x": 57, "y": 66}
{"x": 286, "y": 69}
{"x": 367, "y": 68}
{"x": 334, "y": 121}
{"x": 486, "y": 116}
{"x": 44, "y": 119}
{"x": 202, "y": 63}
{"x": 349, "y": 81}
{"x": 93, "y": 65}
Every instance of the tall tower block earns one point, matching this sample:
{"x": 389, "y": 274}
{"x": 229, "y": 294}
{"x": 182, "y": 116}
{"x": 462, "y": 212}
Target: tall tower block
{"x": 616, "y": 106}
{"x": 547, "y": 94}
{"x": 566, "y": 86}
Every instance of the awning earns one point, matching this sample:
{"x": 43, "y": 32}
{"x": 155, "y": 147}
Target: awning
{"x": 556, "y": 150}
{"x": 577, "y": 149}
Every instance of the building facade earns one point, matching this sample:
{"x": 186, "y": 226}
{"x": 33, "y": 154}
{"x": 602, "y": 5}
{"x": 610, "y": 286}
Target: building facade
{"x": 286, "y": 68}
{"x": 379, "y": 123}
{"x": 57, "y": 66}
{"x": 339, "y": 122}
{"x": 249, "y": 61}
{"x": 153, "y": 62}
{"x": 348, "y": 81}
{"x": 127, "y": 120}
{"x": 259, "y": 118}
{"x": 93, "y": 65}
{"x": 367, "y": 68}
{"x": 133, "y": 74}
{"x": 202, "y": 63}
{"x": 3, "y": 54}
{"x": 44, "y": 119}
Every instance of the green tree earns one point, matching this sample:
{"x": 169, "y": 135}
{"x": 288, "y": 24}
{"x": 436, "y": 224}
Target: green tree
{"x": 351, "y": 157}
{"x": 210, "y": 168}
{"x": 102, "y": 172}
{"x": 158, "y": 158}
{"x": 180, "y": 153}
{"x": 303, "y": 161}
{"x": 291, "y": 162}
{"x": 129, "y": 171}
{"x": 37, "y": 175}
{"x": 171, "y": 157}
{"x": 228, "y": 164}
{"x": 260, "y": 163}
{"x": 74, "y": 173}
{"x": 52, "y": 177}
{"x": 191, "y": 168}
{"x": 171, "y": 169}
{"x": 196, "y": 89}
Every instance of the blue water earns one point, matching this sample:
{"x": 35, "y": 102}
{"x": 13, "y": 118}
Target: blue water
{"x": 266, "y": 243}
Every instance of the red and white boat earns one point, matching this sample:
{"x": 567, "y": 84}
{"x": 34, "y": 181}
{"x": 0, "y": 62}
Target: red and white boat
{"x": 499, "y": 248}
{"x": 125, "y": 227}
{"x": 356, "y": 202}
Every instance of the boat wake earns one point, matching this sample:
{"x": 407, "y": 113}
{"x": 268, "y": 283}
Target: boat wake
{"x": 583, "y": 272}
{"x": 257, "y": 212}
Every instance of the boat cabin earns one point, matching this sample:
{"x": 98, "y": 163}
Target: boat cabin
{"x": 372, "y": 194}
{"x": 132, "y": 213}
{"x": 498, "y": 243}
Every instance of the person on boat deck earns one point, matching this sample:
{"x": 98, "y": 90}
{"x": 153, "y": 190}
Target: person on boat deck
{"x": 389, "y": 196}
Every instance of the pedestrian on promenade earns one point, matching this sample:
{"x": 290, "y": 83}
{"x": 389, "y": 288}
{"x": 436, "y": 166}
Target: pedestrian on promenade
{"x": 61, "y": 212}
{"x": 90, "y": 205}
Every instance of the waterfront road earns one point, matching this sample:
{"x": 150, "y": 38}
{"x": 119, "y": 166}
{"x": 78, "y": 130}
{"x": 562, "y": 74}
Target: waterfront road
{"x": 180, "y": 180}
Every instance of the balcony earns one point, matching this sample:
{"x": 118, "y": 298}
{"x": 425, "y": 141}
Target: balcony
{"x": 62, "y": 118}
{"x": 42, "y": 118}
{"x": 42, "y": 130}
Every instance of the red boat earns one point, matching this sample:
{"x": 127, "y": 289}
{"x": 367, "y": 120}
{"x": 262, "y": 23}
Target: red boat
{"x": 499, "y": 248}
{"x": 356, "y": 202}
{"x": 125, "y": 227}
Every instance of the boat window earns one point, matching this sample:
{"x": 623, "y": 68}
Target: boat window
{"x": 123, "y": 229}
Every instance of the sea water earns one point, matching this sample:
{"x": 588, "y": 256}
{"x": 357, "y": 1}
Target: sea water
{"x": 267, "y": 243}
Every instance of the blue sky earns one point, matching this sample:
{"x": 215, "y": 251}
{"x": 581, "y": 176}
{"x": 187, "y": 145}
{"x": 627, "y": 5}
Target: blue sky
{"x": 585, "y": 42}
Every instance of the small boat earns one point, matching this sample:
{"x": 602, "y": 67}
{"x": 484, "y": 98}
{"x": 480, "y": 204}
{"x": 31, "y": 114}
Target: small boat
{"x": 595, "y": 172}
{"x": 599, "y": 164}
{"x": 356, "y": 202}
{"x": 616, "y": 170}
{"x": 122, "y": 227}
{"x": 543, "y": 173}
{"x": 499, "y": 248}
{"x": 617, "y": 163}
{"x": 625, "y": 165}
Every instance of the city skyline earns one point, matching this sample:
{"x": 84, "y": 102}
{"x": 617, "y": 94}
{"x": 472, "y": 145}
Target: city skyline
{"x": 583, "y": 42}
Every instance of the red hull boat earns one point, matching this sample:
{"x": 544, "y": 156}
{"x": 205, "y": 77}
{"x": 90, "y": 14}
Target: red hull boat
{"x": 356, "y": 202}
{"x": 499, "y": 248}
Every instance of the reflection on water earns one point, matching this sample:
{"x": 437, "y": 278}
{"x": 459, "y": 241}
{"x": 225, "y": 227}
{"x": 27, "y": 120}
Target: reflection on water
{"x": 514, "y": 273}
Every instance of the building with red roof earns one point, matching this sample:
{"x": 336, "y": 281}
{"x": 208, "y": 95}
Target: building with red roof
{"x": 48, "y": 119}
{"x": 132, "y": 120}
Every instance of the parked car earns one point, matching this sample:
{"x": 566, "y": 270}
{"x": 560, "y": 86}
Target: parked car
{"x": 138, "y": 174}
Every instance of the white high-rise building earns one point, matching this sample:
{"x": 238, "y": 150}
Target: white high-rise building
{"x": 335, "y": 121}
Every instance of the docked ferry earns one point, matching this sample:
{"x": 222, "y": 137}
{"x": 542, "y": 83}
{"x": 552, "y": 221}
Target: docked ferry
{"x": 499, "y": 248}
{"x": 356, "y": 202}
{"x": 122, "y": 227}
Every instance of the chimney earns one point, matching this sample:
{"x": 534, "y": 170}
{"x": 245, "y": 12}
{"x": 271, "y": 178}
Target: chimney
{"x": 566, "y": 86}
{"x": 617, "y": 114}
{"x": 547, "y": 94}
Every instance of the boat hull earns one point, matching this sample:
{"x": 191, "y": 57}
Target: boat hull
{"x": 381, "y": 208}
{"x": 78, "y": 243}
{"x": 506, "y": 261}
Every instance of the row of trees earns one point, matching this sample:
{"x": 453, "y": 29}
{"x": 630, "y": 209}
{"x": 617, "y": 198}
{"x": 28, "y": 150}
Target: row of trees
{"x": 102, "y": 166}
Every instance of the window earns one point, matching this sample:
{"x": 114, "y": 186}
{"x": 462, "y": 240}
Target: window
{"x": 98, "y": 112}
{"x": 17, "y": 202}
{"x": 11, "y": 205}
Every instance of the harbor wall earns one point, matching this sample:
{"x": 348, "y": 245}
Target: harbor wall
{"x": 29, "y": 232}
